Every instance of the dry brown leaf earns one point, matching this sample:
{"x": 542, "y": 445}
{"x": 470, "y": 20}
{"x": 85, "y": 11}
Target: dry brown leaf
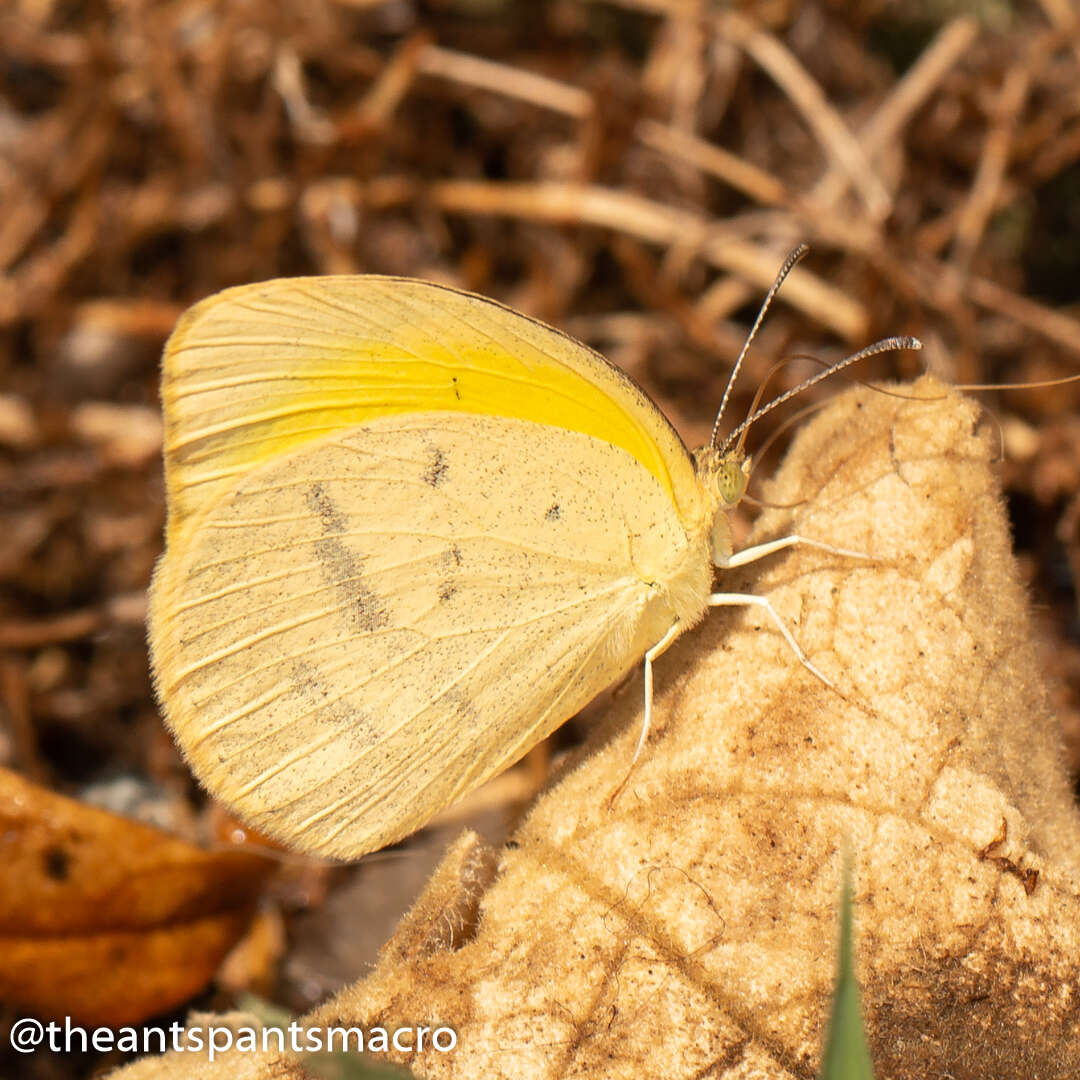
{"x": 106, "y": 920}
{"x": 691, "y": 929}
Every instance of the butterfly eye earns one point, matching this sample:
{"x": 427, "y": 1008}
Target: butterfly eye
{"x": 730, "y": 480}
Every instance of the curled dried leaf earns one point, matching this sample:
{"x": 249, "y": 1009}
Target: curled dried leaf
{"x": 691, "y": 928}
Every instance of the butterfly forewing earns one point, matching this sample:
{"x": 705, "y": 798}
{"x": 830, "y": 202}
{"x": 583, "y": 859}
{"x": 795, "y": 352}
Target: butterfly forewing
{"x": 258, "y": 370}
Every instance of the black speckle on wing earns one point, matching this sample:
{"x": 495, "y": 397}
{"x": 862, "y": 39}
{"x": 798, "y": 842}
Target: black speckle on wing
{"x": 449, "y": 562}
{"x": 342, "y": 568}
{"x": 324, "y": 703}
{"x": 437, "y": 468}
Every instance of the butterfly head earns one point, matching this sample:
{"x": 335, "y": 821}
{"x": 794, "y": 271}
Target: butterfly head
{"x": 732, "y": 471}
{"x": 722, "y": 476}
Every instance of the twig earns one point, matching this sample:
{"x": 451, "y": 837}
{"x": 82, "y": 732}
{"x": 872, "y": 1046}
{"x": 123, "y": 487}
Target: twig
{"x": 36, "y": 633}
{"x": 503, "y": 79}
{"x": 754, "y": 182}
{"x": 1061, "y": 13}
{"x": 921, "y": 79}
{"x": 671, "y": 8}
{"x": 1055, "y": 156}
{"x": 1045, "y": 321}
{"x": 810, "y": 216}
{"x": 393, "y": 83}
{"x": 837, "y": 140}
{"x": 309, "y": 123}
{"x": 15, "y": 703}
{"x": 982, "y": 198}
{"x": 655, "y": 223}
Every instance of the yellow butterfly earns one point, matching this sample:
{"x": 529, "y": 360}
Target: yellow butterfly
{"x": 410, "y": 533}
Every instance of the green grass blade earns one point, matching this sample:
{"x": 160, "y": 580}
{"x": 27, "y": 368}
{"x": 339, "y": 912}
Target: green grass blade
{"x": 847, "y": 1053}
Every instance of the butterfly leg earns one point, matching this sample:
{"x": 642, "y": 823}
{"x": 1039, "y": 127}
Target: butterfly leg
{"x": 646, "y": 723}
{"x": 750, "y": 600}
{"x": 650, "y": 655}
{"x": 759, "y": 551}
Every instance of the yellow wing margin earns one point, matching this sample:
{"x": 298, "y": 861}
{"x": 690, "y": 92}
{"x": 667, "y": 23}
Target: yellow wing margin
{"x": 258, "y": 370}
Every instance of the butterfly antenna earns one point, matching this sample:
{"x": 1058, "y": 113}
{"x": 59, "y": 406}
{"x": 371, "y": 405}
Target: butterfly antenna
{"x": 825, "y": 365}
{"x": 789, "y": 422}
{"x": 889, "y": 344}
{"x": 1039, "y": 384}
{"x": 789, "y": 265}
{"x": 801, "y": 414}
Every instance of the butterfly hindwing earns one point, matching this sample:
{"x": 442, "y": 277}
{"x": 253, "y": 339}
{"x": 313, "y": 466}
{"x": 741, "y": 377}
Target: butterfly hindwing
{"x": 374, "y": 622}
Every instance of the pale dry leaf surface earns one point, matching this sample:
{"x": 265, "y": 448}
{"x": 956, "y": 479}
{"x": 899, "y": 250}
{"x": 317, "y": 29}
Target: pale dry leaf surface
{"x": 691, "y": 928}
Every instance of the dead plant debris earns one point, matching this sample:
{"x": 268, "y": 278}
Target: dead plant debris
{"x": 630, "y": 170}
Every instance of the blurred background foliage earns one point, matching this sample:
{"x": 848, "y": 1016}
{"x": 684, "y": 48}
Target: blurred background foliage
{"x": 632, "y": 171}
